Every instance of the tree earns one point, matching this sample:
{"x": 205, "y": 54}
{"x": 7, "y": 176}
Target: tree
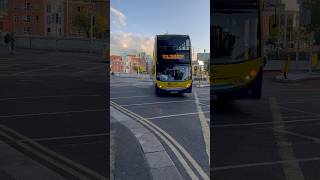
{"x": 83, "y": 21}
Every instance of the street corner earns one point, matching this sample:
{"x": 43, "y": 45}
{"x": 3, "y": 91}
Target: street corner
{"x": 294, "y": 78}
{"x": 132, "y": 142}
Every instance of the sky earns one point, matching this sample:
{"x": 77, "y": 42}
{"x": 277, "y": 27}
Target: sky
{"x": 134, "y": 23}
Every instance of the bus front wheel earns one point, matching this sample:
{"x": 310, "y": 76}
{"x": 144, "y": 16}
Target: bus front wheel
{"x": 157, "y": 90}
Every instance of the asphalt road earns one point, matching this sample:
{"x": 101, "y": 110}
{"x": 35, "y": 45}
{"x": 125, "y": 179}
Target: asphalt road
{"x": 60, "y": 101}
{"x": 275, "y": 138}
{"x": 176, "y": 115}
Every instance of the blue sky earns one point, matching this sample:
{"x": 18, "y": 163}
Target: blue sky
{"x": 142, "y": 19}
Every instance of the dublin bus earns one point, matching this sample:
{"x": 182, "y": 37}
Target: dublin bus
{"x": 172, "y": 64}
{"x": 236, "y": 41}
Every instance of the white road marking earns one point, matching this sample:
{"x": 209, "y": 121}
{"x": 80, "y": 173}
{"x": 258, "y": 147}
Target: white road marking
{"x": 301, "y": 116}
{"x": 159, "y": 102}
{"x": 127, "y": 97}
{"x": 298, "y": 110}
{"x": 204, "y": 126}
{"x": 52, "y": 113}
{"x": 314, "y": 139}
{"x": 7, "y": 66}
{"x": 292, "y": 171}
{"x": 208, "y": 105}
{"x": 171, "y": 142}
{"x": 284, "y": 163}
{"x": 175, "y": 115}
{"x": 33, "y": 70}
{"x": 57, "y": 96}
{"x": 70, "y": 137}
{"x": 302, "y": 101}
{"x": 89, "y": 69}
{"x": 264, "y": 123}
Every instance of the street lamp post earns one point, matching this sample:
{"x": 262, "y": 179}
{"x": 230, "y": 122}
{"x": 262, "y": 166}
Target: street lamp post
{"x": 298, "y": 37}
{"x": 91, "y": 24}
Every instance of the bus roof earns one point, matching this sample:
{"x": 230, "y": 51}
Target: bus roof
{"x": 235, "y": 4}
{"x": 171, "y": 35}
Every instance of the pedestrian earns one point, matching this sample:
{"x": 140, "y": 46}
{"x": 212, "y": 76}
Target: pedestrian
{"x": 286, "y": 67}
{"x": 6, "y": 40}
{"x": 11, "y": 43}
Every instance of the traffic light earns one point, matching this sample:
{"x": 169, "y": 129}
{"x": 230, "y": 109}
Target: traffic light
{"x": 93, "y": 20}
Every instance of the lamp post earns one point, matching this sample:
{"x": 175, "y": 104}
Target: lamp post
{"x": 91, "y": 24}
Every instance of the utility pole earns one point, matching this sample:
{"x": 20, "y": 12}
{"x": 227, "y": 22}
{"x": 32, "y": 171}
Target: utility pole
{"x": 298, "y": 37}
{"x": 91, "y": 25}
{"x": 311, "y": 49}
{"x": 67, "y": 20}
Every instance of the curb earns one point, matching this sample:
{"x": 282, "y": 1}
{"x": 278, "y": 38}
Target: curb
{"x": 160, "y": 164}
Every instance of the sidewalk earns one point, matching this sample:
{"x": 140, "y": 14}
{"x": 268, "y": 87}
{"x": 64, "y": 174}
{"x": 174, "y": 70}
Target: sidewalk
{"x": 126, "y": 156}
{"x": 15, "y": 165}
{"x": 277, "y": 65}
{"x": 297, "y": 77}
{"x": 136, "y": 153}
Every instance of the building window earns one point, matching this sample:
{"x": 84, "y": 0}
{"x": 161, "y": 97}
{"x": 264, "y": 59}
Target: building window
{"x": 16, "y": 7}
{"x": 27, "y": 19}
{"x": 60, "y": 9}
{"x": 27, "y": 6}
{"x": 37, "y": 19}
{"x": 79, "y": 8}
{"x": 16, "y": 18}
{"x": 48, "y": 20}
{"x": 36, "y": 7}
{"x": 48, "y": 8}
{"x": 48, "y": 30}
{"x": 53, "y": 19}
{"x": 27, "y": 29}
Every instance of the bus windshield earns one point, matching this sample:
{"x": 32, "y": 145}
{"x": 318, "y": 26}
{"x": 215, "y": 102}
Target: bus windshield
{"x": 173, "y": 72}
{"x": 236, "y": 36}
{"x": 169, "y": 43}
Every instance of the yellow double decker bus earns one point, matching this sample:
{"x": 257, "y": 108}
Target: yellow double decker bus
{"x": 172, "y": 64}
{"x": 236, "y": 42}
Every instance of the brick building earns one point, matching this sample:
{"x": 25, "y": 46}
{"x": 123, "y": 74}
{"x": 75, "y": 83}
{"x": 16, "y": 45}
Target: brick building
{"x": 54, "y": 18}
{"x": 25, "y": 17}
{"x": 136, "y": 61}
{"x": 50, "y": 17}
{"x": 117, "y": 64}
{"x": 73, "y": 8}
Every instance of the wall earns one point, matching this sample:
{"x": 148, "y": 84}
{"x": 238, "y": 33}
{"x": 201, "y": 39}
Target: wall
{"x": 62, "y": 44}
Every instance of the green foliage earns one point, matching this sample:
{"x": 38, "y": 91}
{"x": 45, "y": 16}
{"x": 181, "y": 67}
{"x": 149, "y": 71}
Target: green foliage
{"x": 83, "y": 21}
{"x": 138, "y": 69}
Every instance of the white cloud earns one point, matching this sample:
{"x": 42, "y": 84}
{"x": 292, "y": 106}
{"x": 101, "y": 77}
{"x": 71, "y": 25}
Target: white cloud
{"x": 127, "y": 40}
{"x": 118, "y": 19}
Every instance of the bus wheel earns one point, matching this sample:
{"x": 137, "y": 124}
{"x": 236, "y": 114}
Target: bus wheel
{"x": 157, "y": 90}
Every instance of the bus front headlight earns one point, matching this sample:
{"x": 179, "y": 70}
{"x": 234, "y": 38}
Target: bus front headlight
{"x": 188, "y": 85}
{"x": 247, "y": 78}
